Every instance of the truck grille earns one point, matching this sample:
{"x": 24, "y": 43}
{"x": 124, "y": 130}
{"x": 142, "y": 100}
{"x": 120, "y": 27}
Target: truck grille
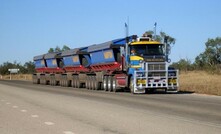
{"x": 156, "y": 66}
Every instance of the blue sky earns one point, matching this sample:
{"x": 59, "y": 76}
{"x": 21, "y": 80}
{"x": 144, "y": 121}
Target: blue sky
{"x": 30, "y": 27}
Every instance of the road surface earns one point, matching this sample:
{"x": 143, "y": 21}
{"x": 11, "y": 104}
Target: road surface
{"x": 39, "y": 109}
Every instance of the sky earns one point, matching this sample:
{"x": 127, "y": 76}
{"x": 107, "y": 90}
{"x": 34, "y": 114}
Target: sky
{"x": 30, "y": 27}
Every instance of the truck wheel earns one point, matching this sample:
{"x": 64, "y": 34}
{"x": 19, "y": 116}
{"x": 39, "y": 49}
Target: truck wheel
{"x": 114, "y": 84}
{"x": 110, "y": 87}
{"x": 105, "y": 83}
{"x": 132, "y": 85}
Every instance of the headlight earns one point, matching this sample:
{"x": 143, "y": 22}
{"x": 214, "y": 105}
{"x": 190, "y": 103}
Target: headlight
{"x": 141, "y": 61}
{"x": 140, "y": 74}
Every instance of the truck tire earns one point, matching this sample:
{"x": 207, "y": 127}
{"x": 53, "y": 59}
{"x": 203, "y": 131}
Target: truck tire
{"x": 86, "y": 83}
{"x": 77, "y": 82}
{"x": 61, "y": 82}
{"x": 114, "y": 84}
{"x": 110, "y": 82}
{"x": 90, "y": 82}
{"x": 96, "y": 84}
{"x": 73, "y": 82}
{"x": 131, "y": 85}
{"x": 105, "y": 83}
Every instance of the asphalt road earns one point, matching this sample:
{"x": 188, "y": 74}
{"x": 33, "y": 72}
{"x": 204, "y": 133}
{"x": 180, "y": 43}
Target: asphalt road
{"x": 38, "y": 109}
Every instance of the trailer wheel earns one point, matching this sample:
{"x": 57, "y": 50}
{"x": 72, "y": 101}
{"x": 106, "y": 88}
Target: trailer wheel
{"x": 51, "y": 81}
{"x": 77, "y": 82}
{"x": 72, "y": 83}
{"x": 105, "y": 81}
{"x": 34, "y": 79}
{"x": 65, "y": 83}
{"x": 54, "y": 82}
{"x": 86, "y": 84}
{"x": 96, "y": 84}
{"x": 61, "y": 82}
{"x": 43, "y": 81}
{"x": 90, "y": 82}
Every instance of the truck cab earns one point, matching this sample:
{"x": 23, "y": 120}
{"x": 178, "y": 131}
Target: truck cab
{"x": 148, "y": 66}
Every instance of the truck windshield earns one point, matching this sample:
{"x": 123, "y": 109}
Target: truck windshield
{"x": 147, "y": 50}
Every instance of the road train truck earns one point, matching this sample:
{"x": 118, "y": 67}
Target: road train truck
{"x": 135, "y": 64}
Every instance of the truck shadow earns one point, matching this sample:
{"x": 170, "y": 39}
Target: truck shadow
{"x": 163, "y": 92}
{"x": 157, "y": 92}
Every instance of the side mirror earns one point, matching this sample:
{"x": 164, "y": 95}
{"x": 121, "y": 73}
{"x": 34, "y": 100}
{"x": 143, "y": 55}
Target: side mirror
{"x": 168, "y": 60}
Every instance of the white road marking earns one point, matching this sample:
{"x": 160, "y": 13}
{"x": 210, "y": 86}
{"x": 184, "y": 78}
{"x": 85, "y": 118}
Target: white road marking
{"x": 49, "y": 123}
{"x": 15, "y": 106}
{"x": 34, "y": 116}
{"x": 23, "y": 110}
{"x": 68, "y": 132}
{"x": 8, "y": 103}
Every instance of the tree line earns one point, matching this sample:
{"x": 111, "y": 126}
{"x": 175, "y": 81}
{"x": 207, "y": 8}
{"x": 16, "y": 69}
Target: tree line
{"x": 27, "y": 68}
{"x": 209, "y": 60}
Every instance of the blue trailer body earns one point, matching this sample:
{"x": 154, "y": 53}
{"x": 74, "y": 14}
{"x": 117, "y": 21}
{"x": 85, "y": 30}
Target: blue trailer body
{"x": 71, "y": 61}
{"x": 53, "y": 59}
{"x": 73, "y": 57}
{"x": 39, "y": 63}
{"x": 52, "y": 63}
{"x": 106, "y": 52}
{"x": 102, "y": 56}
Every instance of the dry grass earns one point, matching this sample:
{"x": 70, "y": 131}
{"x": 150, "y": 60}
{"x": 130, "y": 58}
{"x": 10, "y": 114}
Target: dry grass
{"x": 17, "y": 77}
{"x": 200, "y": 82}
